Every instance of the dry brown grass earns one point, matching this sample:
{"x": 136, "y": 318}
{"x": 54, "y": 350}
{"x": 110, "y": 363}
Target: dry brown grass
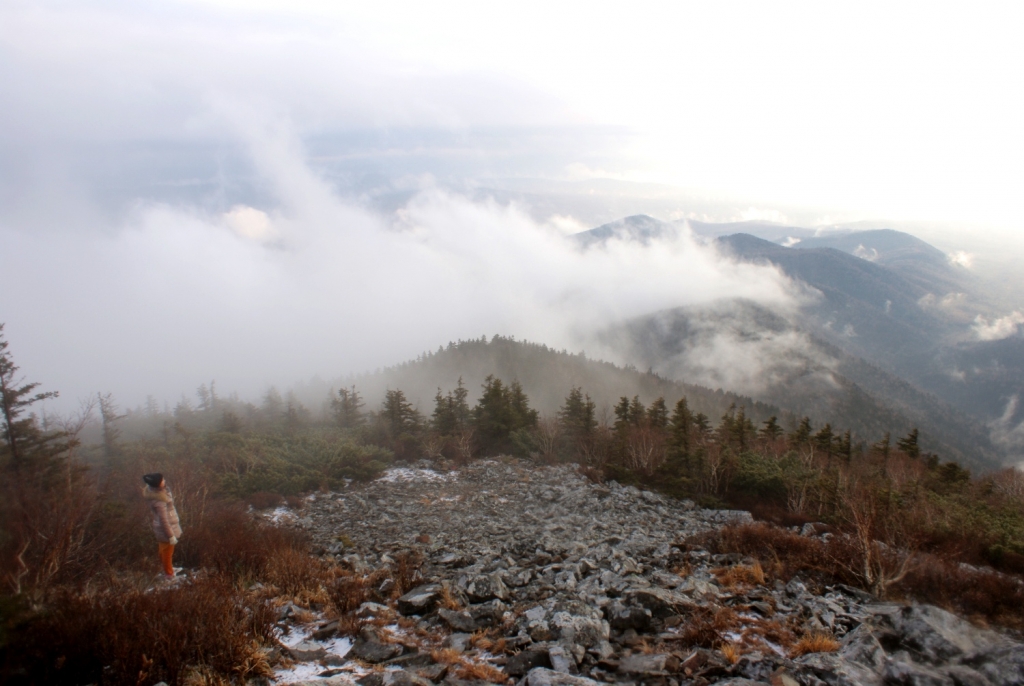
{"x": 445, "y": 656}
{"x": 349, "y": 625}
{"x": 481, "y": 640}
{"x": 130, "y": 635}
{"x": 731, "y": 652}
{"x": 406, "y": 572}
{"x": 348, "y": 592}
{"x": 480, "y": 671}
{"x": 740, "y": 575}
{"x": 706, "y": 626}
{"x": 448, "y": 599}
{"x": 814, "y": 643}
{"x": 982, "y": 593}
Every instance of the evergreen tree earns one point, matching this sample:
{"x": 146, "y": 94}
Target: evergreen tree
{"x": 657, "y": 414}
{"x": 578, "y": 415}
{"x": 823, "y": 439}
{"x": 296, "y": 416}
{"x": 451, "y": 411}
{"x": 770, "y": 429}
{"x": 883, "y": 447}
{"x": 802, "y": 435}
{"x": 908, "y": 444}
{"x": 637, "y": 413}
{"x": 500, "y": 411}
{"x": 398, "y": 414}
{"x": 348, "y": 408}
{"x": 24, "y": 442}
{"x": 844, "y": 446}
{"x": 273, "y": 406}
{"x": 109, "y": 415}
{"x": 680, "y": 428}
{"x": 742, "y": 430}
{"x": 622, "y": 412}
{"x": 701, "y": 427}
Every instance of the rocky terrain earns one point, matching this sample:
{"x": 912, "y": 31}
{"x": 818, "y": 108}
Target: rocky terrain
{"x": 536, "y": 575}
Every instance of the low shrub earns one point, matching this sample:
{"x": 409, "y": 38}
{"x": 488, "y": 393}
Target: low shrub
{"x": 977, "y": 592}
{"x": 814, "y": 643}
{"x": 126, "y": 635}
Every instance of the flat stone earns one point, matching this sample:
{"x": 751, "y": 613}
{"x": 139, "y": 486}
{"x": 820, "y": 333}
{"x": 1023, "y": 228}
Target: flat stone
{"x": 521, "y": 663}
{"x": 660, "y": 601}
{"x": 657, "y": 664}
{"x": 307, "y": 651}
{"x": 458, "y": 621}
{"x": 420, "y": 600}
{"x": 373, "y": 651}
{"x": 561, "y": 660}
{"x": 540, "y": 676}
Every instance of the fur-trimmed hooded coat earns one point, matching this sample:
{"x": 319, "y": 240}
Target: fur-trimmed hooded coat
{"x": 165, "y": 517}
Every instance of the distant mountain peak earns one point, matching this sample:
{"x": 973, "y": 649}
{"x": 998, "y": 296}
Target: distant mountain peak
{"x": 638, "y": 227}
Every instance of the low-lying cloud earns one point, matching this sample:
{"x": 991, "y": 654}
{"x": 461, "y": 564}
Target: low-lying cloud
{"x": 997, "y": 329}
{"x": 318, "y": 284}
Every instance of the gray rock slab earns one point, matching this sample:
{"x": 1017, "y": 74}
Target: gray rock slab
{"x": 541, "y": 676}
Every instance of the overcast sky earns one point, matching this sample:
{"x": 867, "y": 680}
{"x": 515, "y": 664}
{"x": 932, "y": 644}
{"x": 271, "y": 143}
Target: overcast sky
{"x": 189, "y": 190}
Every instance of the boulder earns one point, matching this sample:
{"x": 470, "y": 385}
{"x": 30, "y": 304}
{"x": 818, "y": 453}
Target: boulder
{"x": 485, "y": 587}
{"x": 458, "y": 621}
{"x": 369, "y": 648}
{"x": 420, "y": 600}
{"x": 577, "y": 630}
{"x": 540, "y": 676}
{"x": 488, "y": 614}
{"x": 307, "y": 651}
{"x": 521, "y": 663}
{"x": 660, "y": 601}
{"x": 627, "y": 616}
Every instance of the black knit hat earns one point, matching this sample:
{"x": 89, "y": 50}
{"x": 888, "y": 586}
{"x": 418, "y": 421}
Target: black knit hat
{"x": 153, "y": 480}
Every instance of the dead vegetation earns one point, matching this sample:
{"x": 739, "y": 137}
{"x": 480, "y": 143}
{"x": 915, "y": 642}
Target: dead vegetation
{"x": 975, "y": 592}
{"x": 814, "y": 643}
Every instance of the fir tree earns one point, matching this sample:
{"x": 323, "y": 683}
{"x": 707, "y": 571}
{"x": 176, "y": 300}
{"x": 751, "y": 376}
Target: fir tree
{"x": 802, "y": 435}
{"x": 24, "y": 442}
{"x": 578, "y": 415}
{"x": 398, "y": 414}
{"x": 908, "y": 444}
{"x": 680, "y": 428}
{"x": 770, "y": 429}
{"x": 657, "y": 414}
{"x": 451, "y": 411}
{"x": 348, "y": 408}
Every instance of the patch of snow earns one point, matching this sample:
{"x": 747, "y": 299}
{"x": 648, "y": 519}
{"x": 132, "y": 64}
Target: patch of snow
{"x": 280, "y": 514}
{"x": 302, "y": 671}
{"x": 293, "y": 638}
{"x": 338, "y": 646}
{"x": 407, "y": 474}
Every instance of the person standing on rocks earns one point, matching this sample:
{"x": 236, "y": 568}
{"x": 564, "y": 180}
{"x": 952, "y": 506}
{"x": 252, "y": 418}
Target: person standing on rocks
{"x": 165, "y": 518}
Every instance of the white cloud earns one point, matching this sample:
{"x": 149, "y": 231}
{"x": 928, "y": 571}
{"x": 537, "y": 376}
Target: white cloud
{"x": 1001, "y": 328}
{"x": 762, "y": 215}
{"x": 248, "y": 222}
{"x": 172, "y": 298}
{"x": 869, "y": 254}
{"x": 961, "y": 258}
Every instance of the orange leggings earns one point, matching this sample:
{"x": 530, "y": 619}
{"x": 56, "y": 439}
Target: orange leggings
{"x": 166, "y": 553}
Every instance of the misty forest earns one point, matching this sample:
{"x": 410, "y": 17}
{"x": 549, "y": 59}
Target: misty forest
{"x": 391, "y": 344}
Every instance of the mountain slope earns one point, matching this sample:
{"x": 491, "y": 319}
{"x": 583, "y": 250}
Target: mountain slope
{"x": 547, "y": 376}
{"x": 777, "y": 362}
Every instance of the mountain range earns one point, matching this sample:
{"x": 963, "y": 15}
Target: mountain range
{"x": 892, "y": 337}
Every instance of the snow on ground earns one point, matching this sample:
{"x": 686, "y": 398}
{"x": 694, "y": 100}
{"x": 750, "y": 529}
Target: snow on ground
{"x": 405, "y": 474}
{"x": 280, "y": 515}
